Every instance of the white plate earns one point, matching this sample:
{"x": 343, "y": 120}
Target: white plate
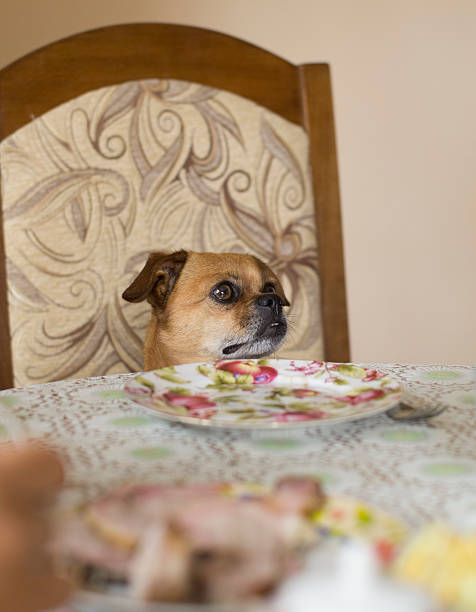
{"x": 264, "y": 393}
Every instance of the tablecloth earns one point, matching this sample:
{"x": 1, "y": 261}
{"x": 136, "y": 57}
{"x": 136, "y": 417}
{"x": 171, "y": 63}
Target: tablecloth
{"x": 416, "y": 471}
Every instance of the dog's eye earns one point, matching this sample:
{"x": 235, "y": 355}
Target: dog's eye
{"x": 225, "y": 292}
{"x": 269, "y": 288}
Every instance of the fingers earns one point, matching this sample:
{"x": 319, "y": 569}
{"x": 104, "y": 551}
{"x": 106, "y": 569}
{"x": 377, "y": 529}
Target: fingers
{"x": 26, "y": 593}
{"x": 27, "y": 580}
{"x": 29, "y": 475}
{"x": 21, "y": 463}
{"x": 40, "y": 593}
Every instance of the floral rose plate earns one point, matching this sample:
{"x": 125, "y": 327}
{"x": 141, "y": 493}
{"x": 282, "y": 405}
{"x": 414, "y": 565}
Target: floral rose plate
{"x": 264, "y": 393}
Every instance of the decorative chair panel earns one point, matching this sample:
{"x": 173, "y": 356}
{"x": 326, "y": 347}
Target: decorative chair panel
{"x": 92, "y": 186}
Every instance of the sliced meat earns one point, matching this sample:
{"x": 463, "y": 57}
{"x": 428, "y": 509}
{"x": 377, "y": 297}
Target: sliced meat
{"x": 241, "y": 548}
{"x": 83, "y": 557}
{"x": 194, "y": 542}
{"x": 122, "y": 515}
{"x": 298, "y": 494}
{"x": 161, "y": 567}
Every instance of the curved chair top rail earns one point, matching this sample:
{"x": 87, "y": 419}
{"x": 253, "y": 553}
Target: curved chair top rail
{"x": 82, "y": 62}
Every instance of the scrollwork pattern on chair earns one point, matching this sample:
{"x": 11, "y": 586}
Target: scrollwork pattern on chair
{"x": 95, "y": 184}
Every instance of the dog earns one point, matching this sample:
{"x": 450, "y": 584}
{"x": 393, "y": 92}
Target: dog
{"x": 209, "y": 306}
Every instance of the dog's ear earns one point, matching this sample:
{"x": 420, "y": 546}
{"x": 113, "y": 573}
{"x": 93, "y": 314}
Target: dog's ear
{"x": 157, "y": 278}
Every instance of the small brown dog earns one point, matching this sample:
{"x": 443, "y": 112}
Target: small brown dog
{"x": 209, "y": 306}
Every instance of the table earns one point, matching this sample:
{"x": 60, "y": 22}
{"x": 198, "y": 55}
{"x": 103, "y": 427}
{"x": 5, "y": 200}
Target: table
{"x": 416, "y": 471}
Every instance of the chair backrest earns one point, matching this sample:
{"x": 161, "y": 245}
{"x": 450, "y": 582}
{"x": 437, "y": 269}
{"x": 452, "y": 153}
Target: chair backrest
{"x": 141, "y": 137}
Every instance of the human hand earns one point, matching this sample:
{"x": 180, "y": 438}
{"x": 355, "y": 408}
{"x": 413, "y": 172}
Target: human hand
{"x": 29, "y": 478}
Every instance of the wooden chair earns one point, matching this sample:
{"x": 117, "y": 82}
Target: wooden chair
{"x": 99, "y": 165}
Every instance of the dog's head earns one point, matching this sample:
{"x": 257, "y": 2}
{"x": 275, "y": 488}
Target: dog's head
{"x": 216, "y": 305}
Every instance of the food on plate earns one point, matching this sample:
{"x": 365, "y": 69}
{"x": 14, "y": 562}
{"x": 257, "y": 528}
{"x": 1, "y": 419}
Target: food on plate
{"x": 197, "y": 542}
{"x": 442, "y": 561}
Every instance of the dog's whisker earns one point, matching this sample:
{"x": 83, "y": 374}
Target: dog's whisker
{"x": 292, "y": 334}
{"x": 291, "y": 327}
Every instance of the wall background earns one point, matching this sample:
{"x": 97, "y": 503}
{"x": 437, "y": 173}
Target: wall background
{"x": 405, "y": 104}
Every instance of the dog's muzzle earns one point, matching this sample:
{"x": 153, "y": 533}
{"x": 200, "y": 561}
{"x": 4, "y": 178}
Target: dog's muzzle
{"x": 270, "y": 326}
{"x": 270, "y": 313}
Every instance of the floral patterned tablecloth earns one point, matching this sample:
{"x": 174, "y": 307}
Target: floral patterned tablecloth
{"x": 416, "y": 471}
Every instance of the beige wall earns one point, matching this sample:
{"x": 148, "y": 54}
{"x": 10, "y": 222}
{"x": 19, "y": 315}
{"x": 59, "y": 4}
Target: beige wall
{"x": 405, "y": 100}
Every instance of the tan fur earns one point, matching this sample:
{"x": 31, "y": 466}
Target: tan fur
{"x": 187, "y": 325}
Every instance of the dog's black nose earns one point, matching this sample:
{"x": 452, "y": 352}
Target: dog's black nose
{"x": 269, "y": 300}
